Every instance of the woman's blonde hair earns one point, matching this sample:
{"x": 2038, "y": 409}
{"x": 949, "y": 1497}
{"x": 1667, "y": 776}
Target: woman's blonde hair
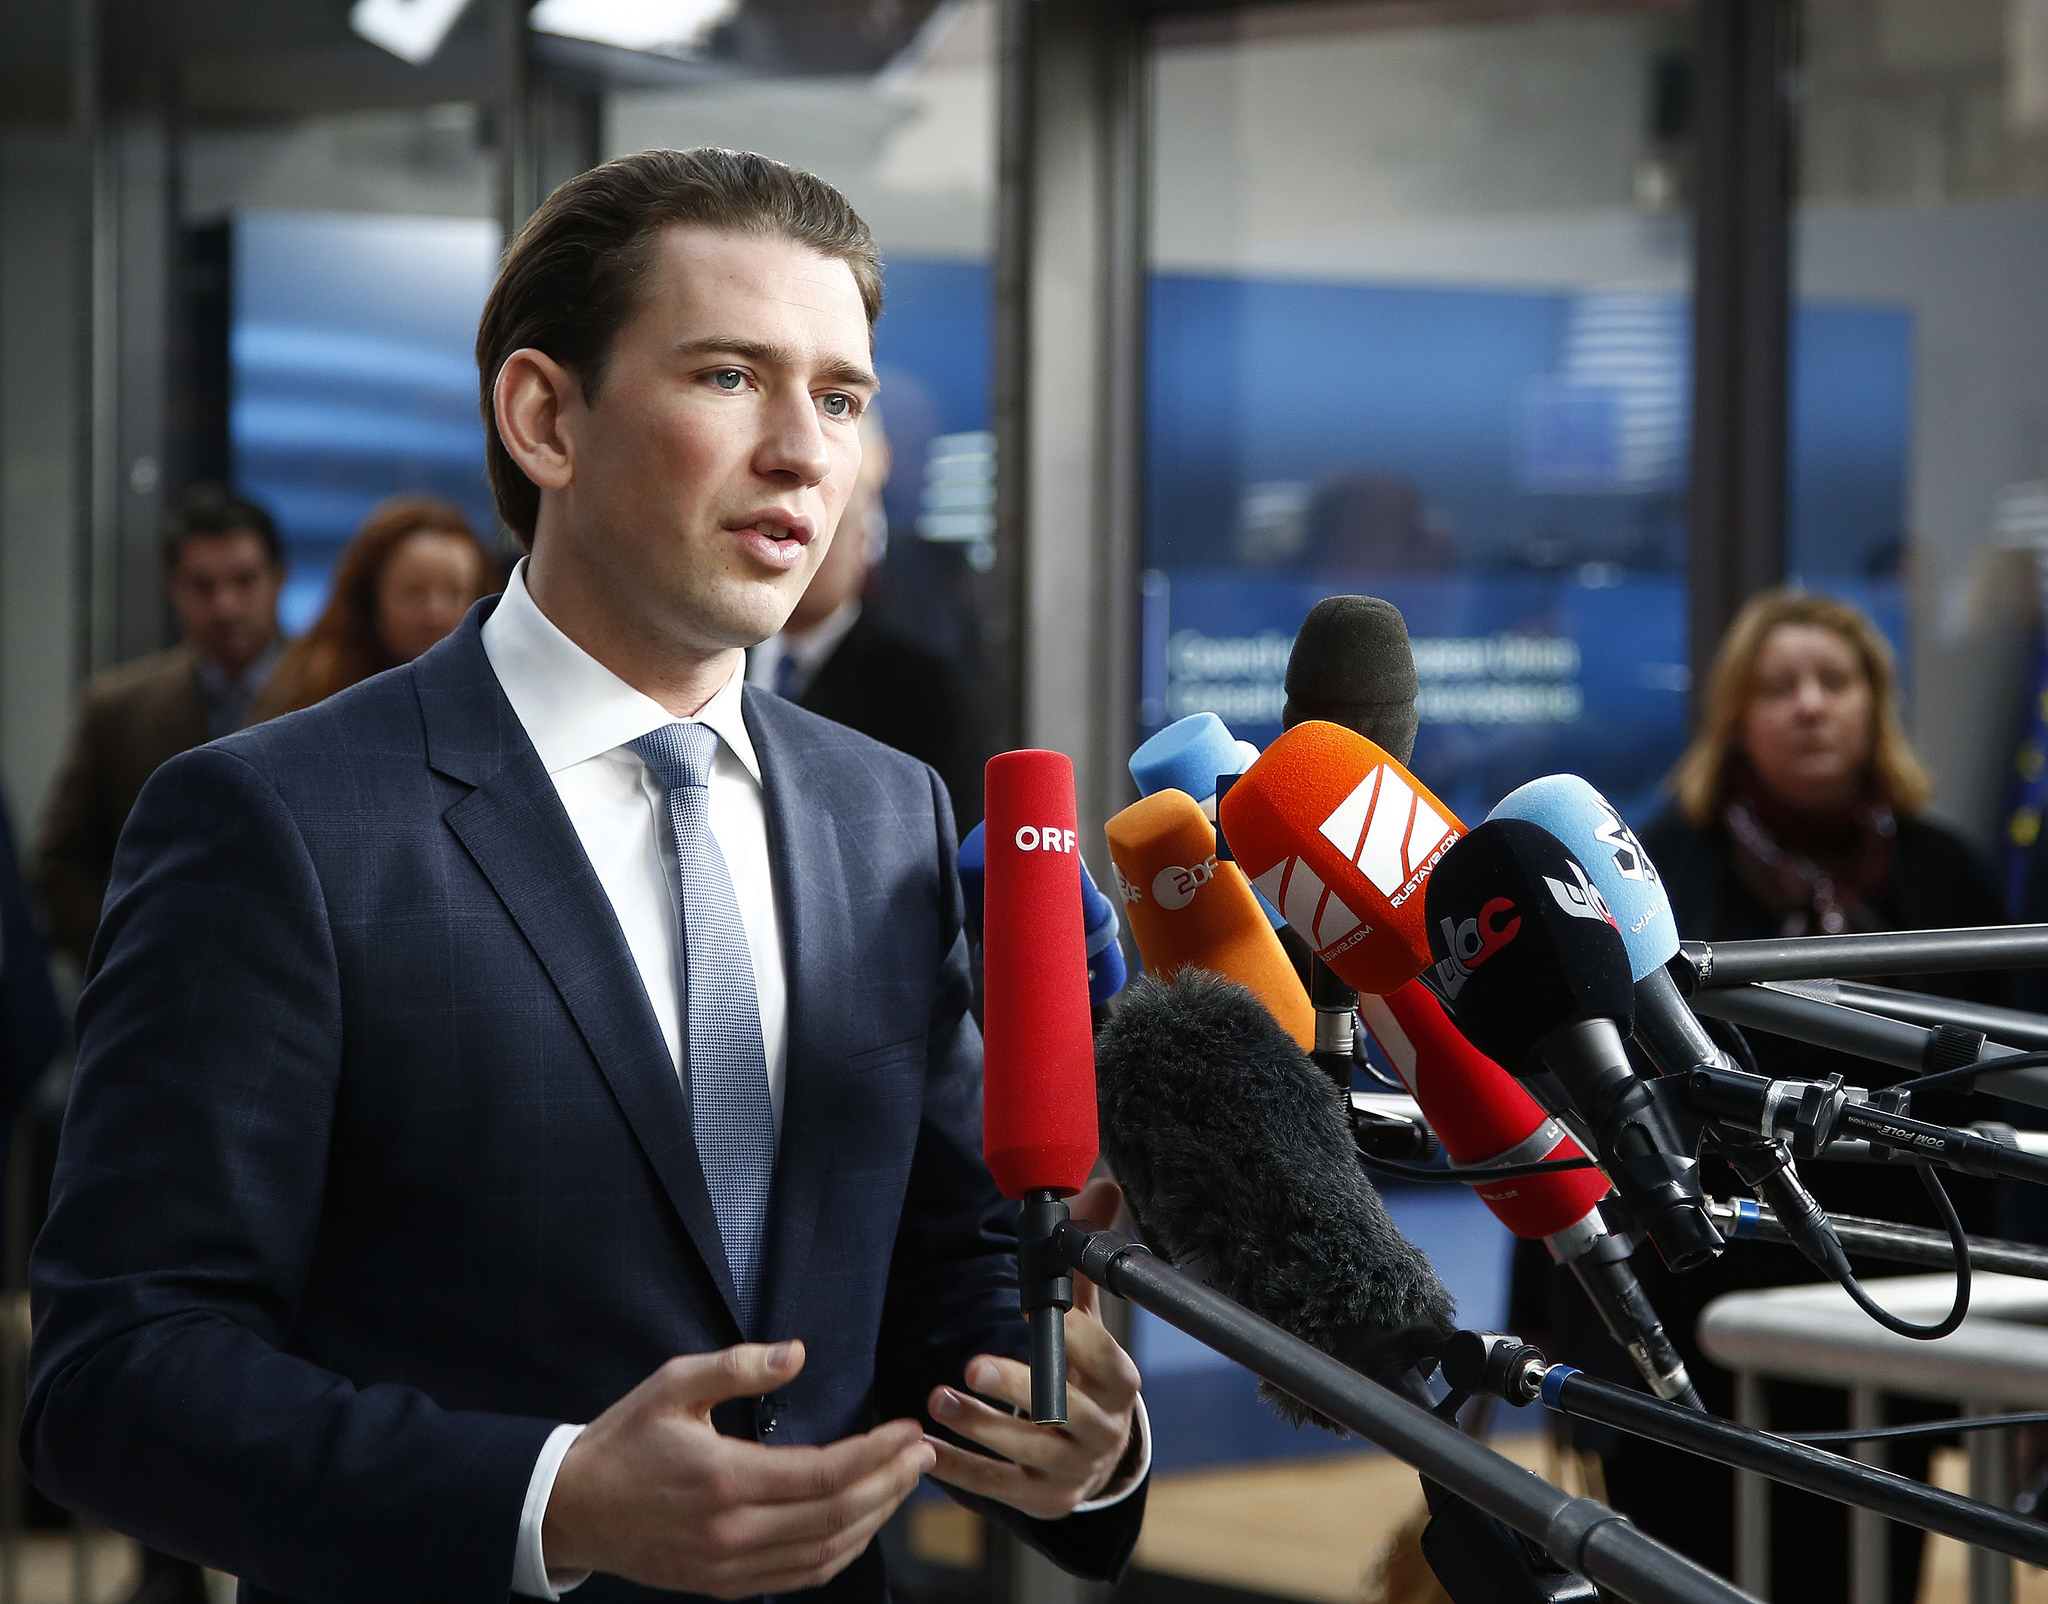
{"x": 1896, "y": 773}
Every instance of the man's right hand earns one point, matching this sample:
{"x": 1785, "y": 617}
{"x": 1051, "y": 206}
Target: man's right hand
{"x": 652, "y": 1492}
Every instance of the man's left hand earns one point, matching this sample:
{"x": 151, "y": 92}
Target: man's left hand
{"x": 1046, "y": 1471}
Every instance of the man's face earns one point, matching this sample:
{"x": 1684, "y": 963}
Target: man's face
{"x": 711, "y": 470}
{"x": 225, "y": 590}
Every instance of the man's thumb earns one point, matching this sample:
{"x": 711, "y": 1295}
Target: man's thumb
{"x": 745, "y": 1371}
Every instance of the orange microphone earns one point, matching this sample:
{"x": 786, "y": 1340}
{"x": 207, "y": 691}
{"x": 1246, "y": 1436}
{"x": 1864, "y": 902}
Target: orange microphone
{"x": 1341, "y": 839}
{"x": 1187, "y": 910}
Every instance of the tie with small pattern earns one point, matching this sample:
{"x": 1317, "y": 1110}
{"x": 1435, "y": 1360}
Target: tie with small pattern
{"x": 730, "y": 1111}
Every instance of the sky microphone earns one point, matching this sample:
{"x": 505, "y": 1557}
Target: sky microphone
{"x": 1038, "y": 1060}
{"x": 1483, "y": 1117}
{"x": 1189, "y": 910}
{"x": 1532, "y": 965}
{"x": 1667, "y": 1031}
{"x": 1352, "y": 666}
{"x": 1341, "y": 839}
{"x": 1106, "y": 970}
{"x": 1236, "y": 1155}
{"x": 1192, "y": 754}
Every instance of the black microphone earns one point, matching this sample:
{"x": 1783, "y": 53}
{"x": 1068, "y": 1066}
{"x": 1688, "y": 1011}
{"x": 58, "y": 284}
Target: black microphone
{"x": 1235, "y": 1153}
{"x": 1351, "y": 665}
{"x": 1534, "y": 970}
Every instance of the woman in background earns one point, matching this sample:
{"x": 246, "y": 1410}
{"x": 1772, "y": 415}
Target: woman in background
{"x": 1799, "y": 810}
{"x": 403, "y": 583}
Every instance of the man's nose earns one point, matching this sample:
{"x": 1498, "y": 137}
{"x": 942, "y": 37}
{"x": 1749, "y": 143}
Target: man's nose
{"x": 793, "y": 441}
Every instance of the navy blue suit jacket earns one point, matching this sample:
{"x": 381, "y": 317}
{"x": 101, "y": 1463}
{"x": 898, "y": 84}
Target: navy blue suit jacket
{"x": 377, "y": 1167}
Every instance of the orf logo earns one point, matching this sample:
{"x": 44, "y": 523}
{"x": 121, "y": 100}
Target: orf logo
{"x": 1030, "y": 838}
{"x": 1173, "y": 887}
{"x": 1392, "y": 835}
{"x": 1582, "y": 899}
{"x": 1474, "y": 941}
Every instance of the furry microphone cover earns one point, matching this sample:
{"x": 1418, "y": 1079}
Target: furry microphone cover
{"x": 1235, "y": 1152}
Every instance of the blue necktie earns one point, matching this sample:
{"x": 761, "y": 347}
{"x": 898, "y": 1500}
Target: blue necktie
{"x": 789, "y": 677}
{"x": 730, "y": 1111}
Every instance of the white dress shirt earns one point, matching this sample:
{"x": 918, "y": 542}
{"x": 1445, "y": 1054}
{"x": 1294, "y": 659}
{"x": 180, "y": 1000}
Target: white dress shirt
{"x": 579, "y": 716}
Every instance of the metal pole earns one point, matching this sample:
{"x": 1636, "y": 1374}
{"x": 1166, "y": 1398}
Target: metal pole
{"x": 1870, "y": 1571}
{"x": 1752, "y": 1494}
{"x": 1991, "y": 1481}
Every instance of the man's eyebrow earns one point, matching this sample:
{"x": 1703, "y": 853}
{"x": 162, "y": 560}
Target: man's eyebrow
{"x": 769, "y": 355}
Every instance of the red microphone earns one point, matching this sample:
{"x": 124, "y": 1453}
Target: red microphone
{"x": 1038, "y": 1061}
{"x": 1483, "y": 1117}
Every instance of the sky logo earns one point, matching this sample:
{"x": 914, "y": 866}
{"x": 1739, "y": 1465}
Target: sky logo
{"x": 1392, "y": 835}
{"x": 1631, "y": 862}
{"x": 1309, "y": 906}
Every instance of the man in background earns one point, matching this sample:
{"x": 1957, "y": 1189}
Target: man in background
{"x": 837, "y": 660}
{"x": 224, "y": 566}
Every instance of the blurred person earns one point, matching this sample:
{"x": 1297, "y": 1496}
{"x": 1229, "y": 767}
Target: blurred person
{"x": 224, "y": 567}
{"x": 1799, "y": 809}
{"x": 526, "y": 1131}
{"x": 402, "y": 584}
{"x": 836, "y": 658}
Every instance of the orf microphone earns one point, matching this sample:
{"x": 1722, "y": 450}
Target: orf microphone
{"x": 1106, "y": 972}
{"x": 1038, "y": 1074}
{"x": 1342, "y": 839}
{"x": 1188, "y": 910}
{"x": 1666, "y": 1030}
{"x": 1483, "y": 1117}
{"x": 1535, "y": 971}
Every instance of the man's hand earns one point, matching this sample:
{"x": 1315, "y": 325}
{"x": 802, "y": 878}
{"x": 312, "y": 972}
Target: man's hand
{"x": 1050, "y": 1470}
{"x": 653, "y": 1493}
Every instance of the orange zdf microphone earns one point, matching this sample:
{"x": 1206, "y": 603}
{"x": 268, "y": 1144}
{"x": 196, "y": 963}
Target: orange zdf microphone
{"x": 1189, "y": 911}
{"x": 1038, "y": 1059}
{"x": 1341, "y": 839}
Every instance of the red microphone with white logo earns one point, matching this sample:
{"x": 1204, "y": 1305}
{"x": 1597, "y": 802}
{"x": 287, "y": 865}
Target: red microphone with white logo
{"x": 1038, "y": 1064}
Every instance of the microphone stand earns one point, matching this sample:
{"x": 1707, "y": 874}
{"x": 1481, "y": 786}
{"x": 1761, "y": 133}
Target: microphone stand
{"x": 1744, "y": 1221}
{"x": 1879, "y": 952}
{"x": 1508, "y": 1368}
{"x": 1045, "y": 1288}
{"x": 1581, "y": 1534}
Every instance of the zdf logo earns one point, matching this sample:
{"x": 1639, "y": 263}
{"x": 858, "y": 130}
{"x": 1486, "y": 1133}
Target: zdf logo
{"x": 1173, "y": 887}
{"x": 1050, "y": 838}
{"x": 1474, "y": 941}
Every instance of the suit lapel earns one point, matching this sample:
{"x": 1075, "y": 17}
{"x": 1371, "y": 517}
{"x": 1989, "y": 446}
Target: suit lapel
{"x": 810, "y": 887}
{"x": 514, "y": 827}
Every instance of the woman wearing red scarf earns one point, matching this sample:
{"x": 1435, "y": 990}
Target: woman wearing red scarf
{"x": 1798, "y": 810}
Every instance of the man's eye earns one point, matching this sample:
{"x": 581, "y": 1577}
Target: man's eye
{"x": 838, "y": 406}
{"x": 729, "y": 378}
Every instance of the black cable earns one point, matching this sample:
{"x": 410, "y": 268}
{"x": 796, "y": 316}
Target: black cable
{"x": 1959, "y": 1243}
{"x": 1970, "y": 1072}
{"x": 1478, "y": 1172}
{"x": 1926, "y": 1428}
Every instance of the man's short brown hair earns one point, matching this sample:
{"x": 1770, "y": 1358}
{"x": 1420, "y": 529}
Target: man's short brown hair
{"x": 573, "y": 277}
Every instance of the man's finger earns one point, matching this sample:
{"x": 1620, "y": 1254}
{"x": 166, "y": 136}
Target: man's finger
{"x": 814, "y": 1520}
{"x": 805, "y": 1475}
{"x": 1098, "y": 1360}
{"x": 1055, "y": 1450}
{"x": 696, "y": 1381}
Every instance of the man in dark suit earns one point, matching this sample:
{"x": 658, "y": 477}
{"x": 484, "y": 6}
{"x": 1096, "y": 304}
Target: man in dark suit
{"x": 552, "y": 1031}
{"x": 836, "y": 658}
{"x": 223, "y": 567}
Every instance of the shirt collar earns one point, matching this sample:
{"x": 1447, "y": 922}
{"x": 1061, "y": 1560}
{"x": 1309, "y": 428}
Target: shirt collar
{"x": 572, "y": 706}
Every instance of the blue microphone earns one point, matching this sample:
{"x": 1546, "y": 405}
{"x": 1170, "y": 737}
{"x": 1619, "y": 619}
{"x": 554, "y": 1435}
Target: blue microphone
{"x": 1666, "y": 1029}
{"x": 1188, "y": 755}
{"x": 1106, "y": 970}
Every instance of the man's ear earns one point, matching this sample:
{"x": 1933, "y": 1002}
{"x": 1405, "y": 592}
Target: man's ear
{"x": 529, "y": 401}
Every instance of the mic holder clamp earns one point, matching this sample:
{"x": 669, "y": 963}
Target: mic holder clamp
{"x": 1814, "y": 1113}
{"x": 1766, "y": 1169}
{"x": 1045, "y": 1287}
{"x": 1336, "y": 1006}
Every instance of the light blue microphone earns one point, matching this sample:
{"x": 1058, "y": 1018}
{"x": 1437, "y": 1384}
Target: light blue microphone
{"x": 1586, "y": 822}
{"x": 1188, "y": 755}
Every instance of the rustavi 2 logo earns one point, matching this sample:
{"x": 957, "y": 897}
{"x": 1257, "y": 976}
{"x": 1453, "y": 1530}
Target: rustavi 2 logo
{"x": 1474, "y": 941}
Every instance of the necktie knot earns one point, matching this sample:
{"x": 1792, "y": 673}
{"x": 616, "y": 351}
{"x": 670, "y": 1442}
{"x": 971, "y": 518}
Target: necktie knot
{"x": 679, "y": 754}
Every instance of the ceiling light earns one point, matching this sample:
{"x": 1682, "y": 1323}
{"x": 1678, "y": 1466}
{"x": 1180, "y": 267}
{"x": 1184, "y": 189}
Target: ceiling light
{"x": 672, "y": 27}
{"x": 411, "y": 30}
